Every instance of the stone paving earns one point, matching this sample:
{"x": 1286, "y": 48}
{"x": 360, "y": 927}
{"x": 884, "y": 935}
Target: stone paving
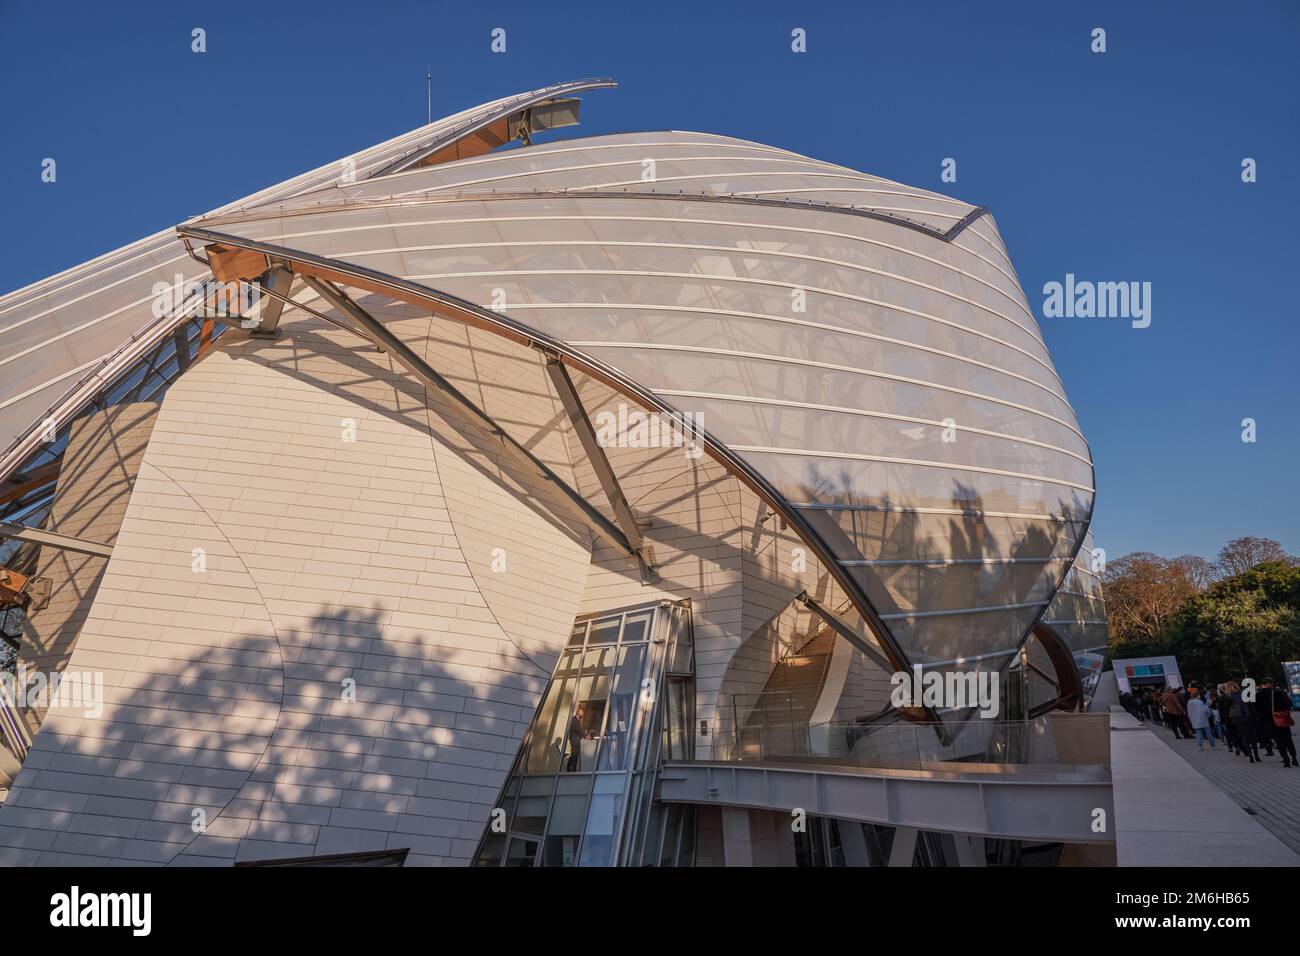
{"x": 1267, "y": 791}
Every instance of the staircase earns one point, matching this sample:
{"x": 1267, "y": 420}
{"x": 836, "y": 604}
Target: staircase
{"x": 778, "y": 721}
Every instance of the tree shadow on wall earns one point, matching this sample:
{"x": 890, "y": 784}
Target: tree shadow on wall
{"x": 347, "y": 734}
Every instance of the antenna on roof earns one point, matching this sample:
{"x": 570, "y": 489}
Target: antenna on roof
{"x": 429, "y": 79}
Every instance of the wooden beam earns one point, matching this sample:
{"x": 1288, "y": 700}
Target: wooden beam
{"x": 231, "y": 265}
{"x": 12, "y": 586}
{"x": 205, "y": 338}
{"x": 21, "y": 484}
{"x": 476, "y": 144}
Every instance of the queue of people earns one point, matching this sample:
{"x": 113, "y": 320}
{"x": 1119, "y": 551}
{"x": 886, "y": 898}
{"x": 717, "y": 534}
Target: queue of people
{"x": 1244, "y": 720}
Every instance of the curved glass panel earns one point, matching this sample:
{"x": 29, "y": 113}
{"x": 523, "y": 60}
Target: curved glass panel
{"x": 1078, "y": 611}
{"x": 892, "y": 385}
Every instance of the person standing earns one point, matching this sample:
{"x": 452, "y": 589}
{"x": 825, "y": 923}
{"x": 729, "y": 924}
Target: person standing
{"x": 576, "y": 733}
{"x": 1242, "y": 716}
{"x": 1184, "y": 695}
{"x": 1223, "y": 702}
{"x": 1157, "y": 714}
{"x": 1262, "y": 708}
{"x": 1174, "y": 712}
{"x": 1198, "y": 714}
{"x": 1277, "y": 703}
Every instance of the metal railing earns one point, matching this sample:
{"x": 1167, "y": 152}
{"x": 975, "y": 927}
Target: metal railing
{"x": 767, "y": 728}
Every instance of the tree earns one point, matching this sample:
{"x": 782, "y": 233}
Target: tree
{"x": 1241, "y": 554}
{"x": 1244, "y": 625}
{"x": 1200, "y": 573}
{"x": 1142, "y": 591}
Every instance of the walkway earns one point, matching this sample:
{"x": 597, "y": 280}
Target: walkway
{"x": 1265, "y": 790}
{"x": 1169, "y": 814}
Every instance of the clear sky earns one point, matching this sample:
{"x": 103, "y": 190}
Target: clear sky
{"x": 1121, "y": 166}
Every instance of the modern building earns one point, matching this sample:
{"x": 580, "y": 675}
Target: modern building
{"x": 476, "y": 499}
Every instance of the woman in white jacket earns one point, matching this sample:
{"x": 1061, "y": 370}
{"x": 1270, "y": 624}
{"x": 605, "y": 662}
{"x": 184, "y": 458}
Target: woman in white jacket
{"x": 1198, "y": 712}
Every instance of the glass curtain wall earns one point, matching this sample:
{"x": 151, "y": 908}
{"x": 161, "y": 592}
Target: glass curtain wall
{"x": 581, "y": 792}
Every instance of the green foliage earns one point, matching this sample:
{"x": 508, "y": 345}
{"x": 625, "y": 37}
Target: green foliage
{"x": 1243, "y": 625}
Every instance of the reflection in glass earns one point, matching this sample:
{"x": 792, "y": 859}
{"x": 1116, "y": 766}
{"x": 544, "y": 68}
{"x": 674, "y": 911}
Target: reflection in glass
{"x": 582, "y": 788}
{"x": 549, "y": 741}
{"x": 615, "y": 745}
{"x": 603, "y": 820}
{"x": 677, "y": 722}
{"x": 564, "y": 830}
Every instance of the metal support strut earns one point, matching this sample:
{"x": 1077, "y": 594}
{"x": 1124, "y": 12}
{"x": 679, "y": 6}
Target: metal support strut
{"x": 399, "y": 350}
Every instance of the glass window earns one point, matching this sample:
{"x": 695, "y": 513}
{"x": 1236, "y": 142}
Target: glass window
{"x": 564, "y": 831}
{"x": 677, "y": 721}
{"x": 534, "y": 805}
{"x": 522, "y": 852}
{"x": 686, "y": 842}
{"x": 671, "y": 817}
{"x": 587, "y": 770}
{"x": 681, "y": 660}
{"x": 591, "y": 703}
{"x": 495, "y": 843}
{"x": 604, "y": 631}
{"x": 603, "y": 820}
{"x": 616, "y": 745}
{"x": 637, "y": 627}
{"x": 548, "y": 742}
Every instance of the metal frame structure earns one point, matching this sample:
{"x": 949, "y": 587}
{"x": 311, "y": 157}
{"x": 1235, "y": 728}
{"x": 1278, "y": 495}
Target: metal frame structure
{"x": 1003, "y": 805}
{"x": 599, "y": 461}
{"x": 513, "y": 107}
{"x": 382, "y": 338}
{"x": 124, "y": 359}
{"x": 53, "y": 539}
{"x": 449, "y": 306}
{"x": 670, "y": 621}
{"x": 276, "y": 267}
{"x": 453, "y": 307}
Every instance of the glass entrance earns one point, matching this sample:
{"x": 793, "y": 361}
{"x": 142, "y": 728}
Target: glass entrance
{"x": 580, "y": 791}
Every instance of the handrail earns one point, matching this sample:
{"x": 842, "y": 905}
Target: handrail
{"x": 1056, "y": 739}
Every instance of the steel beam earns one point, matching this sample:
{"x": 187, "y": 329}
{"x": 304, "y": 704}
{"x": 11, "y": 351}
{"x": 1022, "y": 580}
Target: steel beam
{"x": 844, "y": 631}
{"x": 1055, "y": 803}
{"x": 54, "y": 540}
{"x": 599, "y": 462}
{"x": 278, "y": 282}
{"x": 449, "y": 306}
{"x": 399, "y": 350}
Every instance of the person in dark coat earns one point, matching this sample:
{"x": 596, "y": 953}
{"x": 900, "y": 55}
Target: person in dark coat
{"x": 1153, "y": 704}
{"x": 1126, "y": 701}
{"x": 1274, "y": 700}
{"x": 576, "y": 734}
{"x": 1262, "y": 708}
{"x": 1223, "y": 703}
{"x": 1242, "y": 717}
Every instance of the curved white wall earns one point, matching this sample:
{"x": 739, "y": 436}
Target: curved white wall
{"x": 326, "y": 560}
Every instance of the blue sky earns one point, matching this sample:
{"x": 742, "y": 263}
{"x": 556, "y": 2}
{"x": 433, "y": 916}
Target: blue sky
{"x": 1119, "y": 166}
